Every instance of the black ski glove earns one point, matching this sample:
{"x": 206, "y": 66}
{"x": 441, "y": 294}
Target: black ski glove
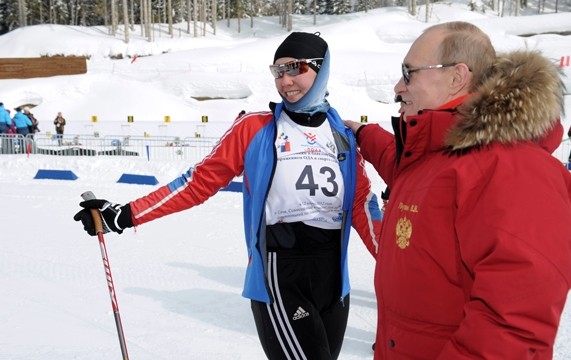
{"x": 114, "y": 217}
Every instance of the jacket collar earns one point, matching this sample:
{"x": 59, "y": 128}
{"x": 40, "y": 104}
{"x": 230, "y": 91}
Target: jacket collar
{"x": 303, "y": 119}
{"x": 453, "y": 104}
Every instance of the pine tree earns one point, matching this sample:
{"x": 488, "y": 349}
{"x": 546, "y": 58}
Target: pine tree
{"x": 322, "y": 6}
{"x": 343, "y": 7}
{"x": 299, "y": 7}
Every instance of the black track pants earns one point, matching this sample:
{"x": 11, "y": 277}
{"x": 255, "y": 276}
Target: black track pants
{"x": 307, "y": 319}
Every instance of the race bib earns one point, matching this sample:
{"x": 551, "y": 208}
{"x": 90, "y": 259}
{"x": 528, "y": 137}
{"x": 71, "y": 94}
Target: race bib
{"x": 307, "y": 184}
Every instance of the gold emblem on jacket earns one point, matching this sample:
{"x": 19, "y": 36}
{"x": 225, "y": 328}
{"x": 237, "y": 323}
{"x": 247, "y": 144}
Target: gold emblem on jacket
{"x": 403, "y": 232}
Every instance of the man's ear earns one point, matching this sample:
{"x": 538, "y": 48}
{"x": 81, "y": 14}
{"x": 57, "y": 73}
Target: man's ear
{"x": 461, "y": 80}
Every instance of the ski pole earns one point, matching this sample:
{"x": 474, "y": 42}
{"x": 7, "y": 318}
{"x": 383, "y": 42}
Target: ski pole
{"x": 98, "y": 224}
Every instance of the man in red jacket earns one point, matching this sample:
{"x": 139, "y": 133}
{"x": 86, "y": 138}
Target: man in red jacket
{"x": 467, "y": 267}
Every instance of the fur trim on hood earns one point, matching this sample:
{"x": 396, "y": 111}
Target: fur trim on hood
{"x": 521, "y": 100}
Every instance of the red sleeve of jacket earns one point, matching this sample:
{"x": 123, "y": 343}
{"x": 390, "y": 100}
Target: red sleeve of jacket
{"x": 215, "y": 171}
{"x": 365, "y": 221}
{"x": 377, "y": 146}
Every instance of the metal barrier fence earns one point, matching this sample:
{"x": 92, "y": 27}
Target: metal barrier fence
{"x": 151, "y": 148}
{"x": 192, "y": 149}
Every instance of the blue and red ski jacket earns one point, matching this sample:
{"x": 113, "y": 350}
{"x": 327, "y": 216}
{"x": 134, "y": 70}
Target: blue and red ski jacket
{"x": 248, "y": 149}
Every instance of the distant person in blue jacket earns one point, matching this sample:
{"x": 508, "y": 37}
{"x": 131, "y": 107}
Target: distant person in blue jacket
{"x": 5, "y": 120}
{"x": 22, "y": 122}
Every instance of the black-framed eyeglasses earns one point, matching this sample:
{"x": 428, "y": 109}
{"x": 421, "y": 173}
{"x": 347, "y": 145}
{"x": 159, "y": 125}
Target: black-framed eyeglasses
{"x": 294, "y": 68}
{"x": 406, "y": 71}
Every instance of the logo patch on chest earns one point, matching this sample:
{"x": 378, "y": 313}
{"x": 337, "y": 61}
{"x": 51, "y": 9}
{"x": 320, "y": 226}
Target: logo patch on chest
{"x": 404, "y": 232}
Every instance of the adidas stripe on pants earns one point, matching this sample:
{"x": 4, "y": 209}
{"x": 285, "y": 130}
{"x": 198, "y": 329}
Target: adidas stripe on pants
{"x": 307, "y": 319}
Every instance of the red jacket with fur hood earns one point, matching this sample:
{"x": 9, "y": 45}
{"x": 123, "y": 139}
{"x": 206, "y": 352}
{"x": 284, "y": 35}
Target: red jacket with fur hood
{"x": 475, "y": 254}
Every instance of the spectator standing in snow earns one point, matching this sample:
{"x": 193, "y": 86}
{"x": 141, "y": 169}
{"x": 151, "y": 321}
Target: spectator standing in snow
{"x": 5, "y": 119}
{"x": 11, "y": 127}
{"x": 34, "y": 127}
{"x": 304, "y": 186}
{"x": 59, "y": 123}
{"x": 467, "y": 267}
{"x": 22, "y": 122}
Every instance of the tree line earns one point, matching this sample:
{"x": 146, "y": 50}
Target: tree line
{"x": 198, "y": 13}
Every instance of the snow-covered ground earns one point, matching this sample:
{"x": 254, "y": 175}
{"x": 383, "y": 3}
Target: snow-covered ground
{"x": 178, "y": 280}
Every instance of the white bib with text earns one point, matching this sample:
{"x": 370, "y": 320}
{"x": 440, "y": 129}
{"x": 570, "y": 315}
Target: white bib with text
{"x": 307, "y": 184}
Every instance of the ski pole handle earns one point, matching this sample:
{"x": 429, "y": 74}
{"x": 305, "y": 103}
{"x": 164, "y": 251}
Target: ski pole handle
{"x": 97, "y": 222}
